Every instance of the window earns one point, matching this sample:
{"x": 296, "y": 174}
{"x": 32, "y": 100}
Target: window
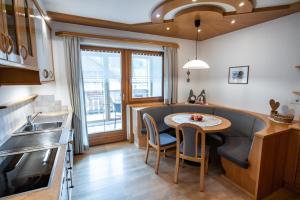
{"x": 146, "y": 78}
{"x": 102, "y": 77}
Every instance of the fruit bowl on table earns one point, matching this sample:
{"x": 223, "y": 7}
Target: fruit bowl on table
{"x": 197, "y": 117}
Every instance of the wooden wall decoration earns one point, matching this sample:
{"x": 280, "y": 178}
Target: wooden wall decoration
{"x": 215, "y": 19}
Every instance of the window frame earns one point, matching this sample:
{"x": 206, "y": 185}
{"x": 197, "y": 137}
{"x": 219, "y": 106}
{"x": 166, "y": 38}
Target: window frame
{"x": 129, "y": 73}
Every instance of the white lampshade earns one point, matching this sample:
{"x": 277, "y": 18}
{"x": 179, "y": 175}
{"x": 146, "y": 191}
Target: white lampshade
{"x": 196, "y": 64}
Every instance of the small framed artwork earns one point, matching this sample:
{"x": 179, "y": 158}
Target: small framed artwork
{"x": 238, "y": 75}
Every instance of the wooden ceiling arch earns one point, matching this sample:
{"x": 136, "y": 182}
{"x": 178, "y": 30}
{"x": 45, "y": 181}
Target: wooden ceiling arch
{"x": 214, "y": 19}
{"x": 165, "y": 7}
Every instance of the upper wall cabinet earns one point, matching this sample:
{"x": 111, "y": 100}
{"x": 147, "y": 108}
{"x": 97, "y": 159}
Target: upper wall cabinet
{"x": 25, "y": 44}
{"x": 26, "y": 32}
{"x": 44, "y": 46}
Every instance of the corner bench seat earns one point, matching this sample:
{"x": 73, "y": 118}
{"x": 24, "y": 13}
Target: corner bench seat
{"x": 236, "y": 141}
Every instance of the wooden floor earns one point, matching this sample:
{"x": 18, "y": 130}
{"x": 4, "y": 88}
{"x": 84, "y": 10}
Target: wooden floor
{"x": 117, "y": 171}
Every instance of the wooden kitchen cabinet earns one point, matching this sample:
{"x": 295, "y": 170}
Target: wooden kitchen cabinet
{"x": 9, "y": 36}
{"x": 25, "y": 52}
{"x": 44, "y": 46}
{"x": 26, "y": 32}
{"x": 2, "y": 34}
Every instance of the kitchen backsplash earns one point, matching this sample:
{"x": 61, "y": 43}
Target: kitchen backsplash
{"x": 14, "y": 117}
{"x": 47, "y": 103}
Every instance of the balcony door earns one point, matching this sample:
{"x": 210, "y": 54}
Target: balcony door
{"x": 104, "y": 94}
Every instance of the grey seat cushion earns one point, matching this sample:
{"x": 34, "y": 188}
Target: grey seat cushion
{"x": 207, "y": 147}
{"x": 166, "y": 139}
{"x": 236, "y": 149}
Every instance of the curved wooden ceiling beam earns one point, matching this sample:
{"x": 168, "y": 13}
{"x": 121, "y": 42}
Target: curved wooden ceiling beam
{"x": 167, "y": 6}
{"x": 209, "y": 11}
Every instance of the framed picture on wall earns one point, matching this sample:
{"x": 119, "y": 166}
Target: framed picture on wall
{"x": 238, "y": 75}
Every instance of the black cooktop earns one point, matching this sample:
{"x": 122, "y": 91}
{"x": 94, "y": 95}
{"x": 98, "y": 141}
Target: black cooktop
{"x": 26, "y": 171}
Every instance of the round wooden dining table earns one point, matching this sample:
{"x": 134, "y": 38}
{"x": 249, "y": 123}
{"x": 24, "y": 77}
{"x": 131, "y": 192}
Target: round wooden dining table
{"x": 223, "y": 125}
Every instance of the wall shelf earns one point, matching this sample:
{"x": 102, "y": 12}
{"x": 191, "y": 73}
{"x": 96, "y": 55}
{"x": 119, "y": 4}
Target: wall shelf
{"x": 21, "y": 101}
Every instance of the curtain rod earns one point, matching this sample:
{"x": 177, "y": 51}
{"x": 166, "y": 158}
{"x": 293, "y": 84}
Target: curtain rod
{"x": 119, "y": 39}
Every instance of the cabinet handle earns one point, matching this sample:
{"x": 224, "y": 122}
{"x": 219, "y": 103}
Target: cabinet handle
{"x": 3, "y": 42}
{"x": 10, "y": 44}
{"x": 45, "y": 73}
{"x": 23, "y": 52}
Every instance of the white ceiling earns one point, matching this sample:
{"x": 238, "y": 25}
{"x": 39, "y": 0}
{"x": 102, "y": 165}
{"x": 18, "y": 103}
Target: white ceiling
{"x": 124, "y": 11}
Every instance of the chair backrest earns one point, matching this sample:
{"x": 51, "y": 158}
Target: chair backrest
{"x": 190, "y": 143}
{"x": 152, "y": 131}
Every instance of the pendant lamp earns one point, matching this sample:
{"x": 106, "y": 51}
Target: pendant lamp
{"x": 197, "y": 63}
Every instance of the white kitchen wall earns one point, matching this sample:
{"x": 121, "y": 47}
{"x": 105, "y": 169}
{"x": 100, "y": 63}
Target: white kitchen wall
{"x": 12, "y": 93}
{"x": 271, "y": 49}
{"x": 59, "y": 88}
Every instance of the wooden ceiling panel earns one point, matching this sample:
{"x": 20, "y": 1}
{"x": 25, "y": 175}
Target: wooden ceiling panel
{"x": 214, "y": 20}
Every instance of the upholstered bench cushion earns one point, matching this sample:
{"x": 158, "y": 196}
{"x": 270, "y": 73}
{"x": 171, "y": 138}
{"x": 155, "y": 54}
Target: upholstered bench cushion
{"x": 158, "y": 113}
{"x": 166, "y": 139}
{"x": 192, "y": 108}
{"x": 217, "y": 137}
{"x": 236, "y": 149}
{"x": 241, "y": 123}
{"x": 162, "y": 128}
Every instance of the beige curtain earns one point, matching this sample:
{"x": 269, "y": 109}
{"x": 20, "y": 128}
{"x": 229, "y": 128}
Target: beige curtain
{"x": 170, "y": 75}
{"x": 76, "y": 93}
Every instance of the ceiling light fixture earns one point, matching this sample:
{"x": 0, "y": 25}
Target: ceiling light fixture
{"x": 233, "y": 21}
{"x": 168, "y": 28}
{"x": 195, "y": 64}
{"x": 157, "y": 15}
{"x": 199, "y": 30}
{"x": 194, "y": 0}
{"x": 242, "y": 4}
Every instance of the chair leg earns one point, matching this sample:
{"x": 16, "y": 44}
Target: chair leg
{"x": 176, "y": 169}
{"x": 202, "y": 174}
{"x": 147, "y": 153}
{"x": 157, "y": 161}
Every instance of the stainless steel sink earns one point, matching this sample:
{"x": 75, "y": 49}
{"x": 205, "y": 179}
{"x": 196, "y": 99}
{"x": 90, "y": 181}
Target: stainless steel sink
{"x": 25, "y": 142}
{"x": 40, "y": 127}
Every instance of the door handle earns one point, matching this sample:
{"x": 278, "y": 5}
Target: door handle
{"x": 23, "y": 51}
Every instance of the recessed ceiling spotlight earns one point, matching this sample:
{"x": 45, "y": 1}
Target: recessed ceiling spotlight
{"x": 199, "y": 30}
{"x": 233, "y": 21}
{"x": 168, "y": 28}
{"x": 194, "y": 0}
{"x": 242, "y": 4}
{"x": 157, "y": 15}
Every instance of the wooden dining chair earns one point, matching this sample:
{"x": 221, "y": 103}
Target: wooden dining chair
{"x": 191, "y": 149}
{"x": 159, "y": 141}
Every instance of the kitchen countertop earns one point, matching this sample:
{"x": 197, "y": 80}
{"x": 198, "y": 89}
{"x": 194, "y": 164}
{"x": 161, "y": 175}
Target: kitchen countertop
{"x": 53, "y": 190}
